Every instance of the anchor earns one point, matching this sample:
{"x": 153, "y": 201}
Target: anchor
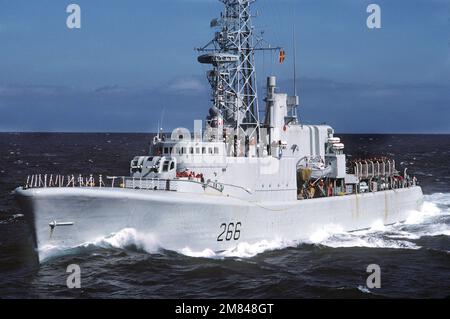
{"x": 54, "y": 224}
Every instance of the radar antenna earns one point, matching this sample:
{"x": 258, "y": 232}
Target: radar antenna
{"x": 233, "y": 77}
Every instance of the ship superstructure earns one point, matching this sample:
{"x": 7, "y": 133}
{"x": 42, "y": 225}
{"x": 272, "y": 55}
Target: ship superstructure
{"x": 237, "y": 178}
{"x": 284, "y": 156}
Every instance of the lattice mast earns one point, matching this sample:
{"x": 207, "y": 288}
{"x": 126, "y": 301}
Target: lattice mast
{"x": 233, "y": 78}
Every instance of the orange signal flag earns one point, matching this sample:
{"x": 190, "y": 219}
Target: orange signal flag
{"x": 282, "y": 56}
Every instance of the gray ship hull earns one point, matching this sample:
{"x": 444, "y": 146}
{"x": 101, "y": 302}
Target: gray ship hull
{"x": 204, "y": 221}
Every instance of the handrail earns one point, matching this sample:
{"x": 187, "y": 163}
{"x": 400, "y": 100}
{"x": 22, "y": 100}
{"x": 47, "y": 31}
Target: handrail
{"x": 55, "y": 181}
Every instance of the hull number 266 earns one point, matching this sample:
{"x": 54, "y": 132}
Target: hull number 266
{"x": 230, "y": 231}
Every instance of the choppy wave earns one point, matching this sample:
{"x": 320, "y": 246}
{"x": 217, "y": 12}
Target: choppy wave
{"x": 242, "y": 250}
{"x": 432, "y": 220}
{"x": 128, "y": 238}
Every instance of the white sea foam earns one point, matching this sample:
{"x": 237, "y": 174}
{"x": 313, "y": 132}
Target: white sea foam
{"x": 50, "y": 251}
{"x": 325, "y": 232}
{"x": 206, "y": 253}
{"x": 432, "y": 220}
{"x": 368, "y": 240}
{"x": 364, "y": 289}
{"x": 126, "y": 238}
{"x": 246, "y": 250}
{"x": 333, "y": 236}
{"x": 439, "y": 198}
{"x": 242, "y": 250}
{"x": 123, "y": 239}
{"x": 429, "y": 210}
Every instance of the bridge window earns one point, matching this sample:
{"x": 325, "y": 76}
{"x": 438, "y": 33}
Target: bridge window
{"x": 183, "y": 150}
{"x": 191, "y": 150}
{"x": 172, "y": 165}
{"x": 210, "y": 150}
{"x": 197, "y": 150}
{"x": 216, "y": 150}
{"x": 166, "y": 150}
{"x": 203, "y": 150}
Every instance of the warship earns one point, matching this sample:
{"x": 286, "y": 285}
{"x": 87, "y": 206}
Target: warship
{"x": 237, "y": 178}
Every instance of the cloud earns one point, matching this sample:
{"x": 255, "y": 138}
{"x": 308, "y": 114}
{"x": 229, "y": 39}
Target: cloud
{"x": 36, "y": 90}
{"x": 348, "y": 107}
{"x": 187, "y": 85}
{"x": 374, "y": 107}
{"x": 111, "y": 89}
{"x": 14, "y": 90}
{"x": 109, "y": 108}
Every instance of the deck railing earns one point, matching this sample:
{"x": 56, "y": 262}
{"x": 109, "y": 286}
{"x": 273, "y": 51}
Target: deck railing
{"x": 98, "y": 181}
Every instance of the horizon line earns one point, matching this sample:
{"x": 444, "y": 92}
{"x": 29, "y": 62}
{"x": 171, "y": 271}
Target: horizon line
{"x": 149, "y": 132}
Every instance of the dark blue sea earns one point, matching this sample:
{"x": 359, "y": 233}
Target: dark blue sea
{"x": 414, "y": 256}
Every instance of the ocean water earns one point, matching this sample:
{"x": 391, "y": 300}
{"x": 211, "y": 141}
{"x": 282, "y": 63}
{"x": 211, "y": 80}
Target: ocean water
{"x": 414, "y": 256}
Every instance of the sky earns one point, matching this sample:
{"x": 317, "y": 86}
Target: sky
{"x": 133, "y": 63}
